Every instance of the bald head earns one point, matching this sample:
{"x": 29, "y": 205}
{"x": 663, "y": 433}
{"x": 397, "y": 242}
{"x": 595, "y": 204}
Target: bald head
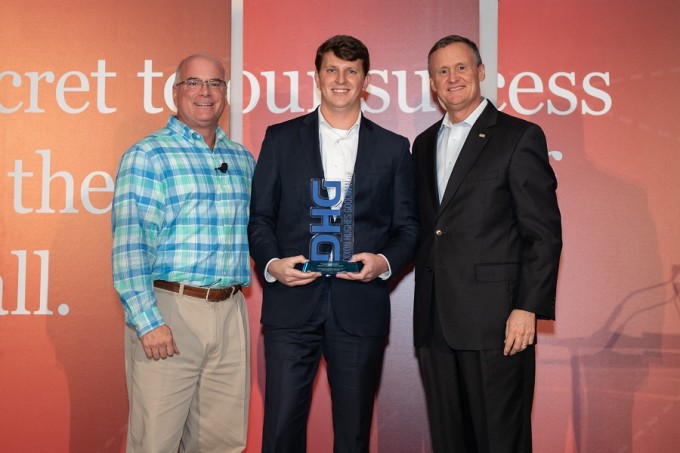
{"x": 183, "y": 64}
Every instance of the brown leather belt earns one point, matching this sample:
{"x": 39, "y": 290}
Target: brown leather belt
{"x": 209, "y": 294}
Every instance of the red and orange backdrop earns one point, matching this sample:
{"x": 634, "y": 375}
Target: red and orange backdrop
{"x": 81, "y": 81}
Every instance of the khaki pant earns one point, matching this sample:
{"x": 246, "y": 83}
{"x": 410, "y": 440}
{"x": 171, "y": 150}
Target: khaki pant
{"x": 195, "y": 401}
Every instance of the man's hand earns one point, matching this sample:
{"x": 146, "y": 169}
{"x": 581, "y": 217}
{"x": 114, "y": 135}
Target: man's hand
{"x": 283, "y": 270}
{"x": 374, "y": 267}
{"x": 159, "y": 343}
{"x": 520, "y": 329}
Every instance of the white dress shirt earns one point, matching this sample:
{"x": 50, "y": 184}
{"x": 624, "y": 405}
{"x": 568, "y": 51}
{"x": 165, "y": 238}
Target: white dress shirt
{"x": 338, "y": 153}
{"x": 450, "y": 141}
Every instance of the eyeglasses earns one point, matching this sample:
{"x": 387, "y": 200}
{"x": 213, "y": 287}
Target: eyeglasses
{"x": 194, "y": 84}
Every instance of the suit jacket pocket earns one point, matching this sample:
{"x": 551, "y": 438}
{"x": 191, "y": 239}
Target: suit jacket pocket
{"x": 480, "y": 177}
{"x": 496, "y": 272}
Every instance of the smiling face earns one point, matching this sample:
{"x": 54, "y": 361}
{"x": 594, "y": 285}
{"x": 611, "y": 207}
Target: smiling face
{"x": 455, "y": 77}
{"x": 202, "y": 108}
{"x": 341, "y": 83}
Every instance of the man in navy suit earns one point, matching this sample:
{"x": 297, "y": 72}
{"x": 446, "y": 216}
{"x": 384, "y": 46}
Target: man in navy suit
{"x": 344, "y": 317}
{"x": 486, "y": 267}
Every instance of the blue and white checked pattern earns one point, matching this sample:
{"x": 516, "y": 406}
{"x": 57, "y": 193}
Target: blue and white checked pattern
{"x": 176, "y": 218}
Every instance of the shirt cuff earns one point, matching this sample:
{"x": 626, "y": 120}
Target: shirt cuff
{"x": 388, "y": 273}
{"x": 267, "y": 276}
{"x": 147, "y": 321}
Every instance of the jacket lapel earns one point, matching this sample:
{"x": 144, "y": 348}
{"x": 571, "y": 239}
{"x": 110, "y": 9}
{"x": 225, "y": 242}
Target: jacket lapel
{"x": 366, "y": 147}
{"x": 431, "y": 164}
{"x": 479, "y": 136}
{"x": 309, "y": 137}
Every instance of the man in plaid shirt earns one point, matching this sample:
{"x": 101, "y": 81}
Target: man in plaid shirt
{"x": 180, "y": 258}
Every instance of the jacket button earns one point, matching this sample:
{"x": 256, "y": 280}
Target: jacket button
{"x": 439, "y": 232}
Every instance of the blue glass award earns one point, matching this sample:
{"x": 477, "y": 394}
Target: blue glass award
{"x": 331, "y": 245}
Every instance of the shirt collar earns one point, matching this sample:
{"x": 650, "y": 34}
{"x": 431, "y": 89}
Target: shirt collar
{"x": 188, "y": 133}
{"x": 471, "y": 118}
{"x": 324, "y": 123}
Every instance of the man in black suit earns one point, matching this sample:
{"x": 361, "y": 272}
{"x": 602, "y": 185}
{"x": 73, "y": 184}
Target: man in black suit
{"x": 344, "y": 317}
{"x": 486, "y": 267}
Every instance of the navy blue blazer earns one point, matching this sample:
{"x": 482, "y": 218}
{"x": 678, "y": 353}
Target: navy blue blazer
{"x": 385, "y": 220}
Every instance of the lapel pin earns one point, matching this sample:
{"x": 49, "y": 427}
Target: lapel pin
{"x": 482, "y": 135}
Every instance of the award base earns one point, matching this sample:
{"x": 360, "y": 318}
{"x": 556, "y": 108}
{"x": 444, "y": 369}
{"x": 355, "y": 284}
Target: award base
{"x": 329, "y": 268}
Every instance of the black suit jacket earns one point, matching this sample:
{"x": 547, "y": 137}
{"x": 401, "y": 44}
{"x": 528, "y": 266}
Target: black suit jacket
{"x": 494, "y": 243}
{"x": 385, "y": 220}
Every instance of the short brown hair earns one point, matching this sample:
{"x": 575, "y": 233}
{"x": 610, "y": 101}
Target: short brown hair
{"x": 345, "y": 47}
